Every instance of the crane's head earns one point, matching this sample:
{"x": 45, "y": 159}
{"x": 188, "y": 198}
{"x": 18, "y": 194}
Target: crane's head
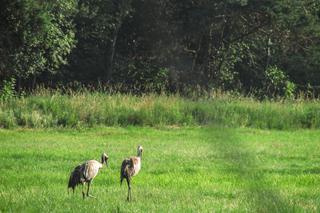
{"x": 104, "y": 158}
{"x": 140, "y": 150}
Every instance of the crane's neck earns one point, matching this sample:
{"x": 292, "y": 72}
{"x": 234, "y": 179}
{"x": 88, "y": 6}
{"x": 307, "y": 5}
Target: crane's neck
{"x": 103, "y": 160}
{"x": 139, "y": 154}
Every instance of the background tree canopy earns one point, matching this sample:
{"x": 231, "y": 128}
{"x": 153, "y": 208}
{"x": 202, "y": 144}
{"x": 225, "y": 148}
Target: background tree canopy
{"x": 262, "y": 47}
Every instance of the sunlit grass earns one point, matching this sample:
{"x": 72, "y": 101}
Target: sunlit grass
{"x": 189, "y": 169}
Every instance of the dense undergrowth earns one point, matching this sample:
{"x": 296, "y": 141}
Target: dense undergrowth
{"x": 45, "y": 109}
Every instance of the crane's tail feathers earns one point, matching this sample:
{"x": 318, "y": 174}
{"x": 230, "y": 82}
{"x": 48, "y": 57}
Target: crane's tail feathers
{"x": 75, "y": 178}
{"x": 124, "y": 173}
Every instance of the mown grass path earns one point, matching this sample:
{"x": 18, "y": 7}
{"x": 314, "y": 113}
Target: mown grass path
{"x": 191, "y": 169}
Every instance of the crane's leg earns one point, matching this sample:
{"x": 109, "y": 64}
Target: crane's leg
{"x": 129, "y": 189}
{"x": 88, "y": 190}
{"x": 83, "y": 194}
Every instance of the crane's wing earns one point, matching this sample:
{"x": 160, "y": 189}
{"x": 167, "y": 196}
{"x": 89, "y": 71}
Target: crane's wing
{"x": 91, "y": 169}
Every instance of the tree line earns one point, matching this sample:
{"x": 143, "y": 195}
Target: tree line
{"x": 261, "y": 47}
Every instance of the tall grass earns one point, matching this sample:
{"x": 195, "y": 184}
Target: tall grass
{"x": 46, "y": 108}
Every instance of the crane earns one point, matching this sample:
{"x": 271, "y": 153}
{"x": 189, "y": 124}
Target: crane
{"x": 85, "y": 173}
{"x": 131, "y": 167}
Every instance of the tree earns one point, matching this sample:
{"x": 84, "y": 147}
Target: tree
{"x": 37, "y": 36}
{"x": 98, "y": 23}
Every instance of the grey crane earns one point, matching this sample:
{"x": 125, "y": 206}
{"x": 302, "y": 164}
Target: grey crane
{"x": 129, "y": 168}
{"x": 85, "y": 173}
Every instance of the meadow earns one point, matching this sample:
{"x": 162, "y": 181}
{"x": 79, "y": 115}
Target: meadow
{"x": 184, "y": 169}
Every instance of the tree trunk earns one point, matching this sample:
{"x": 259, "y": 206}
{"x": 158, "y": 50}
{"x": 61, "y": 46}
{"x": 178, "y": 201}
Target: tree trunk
{"x": 34, "y": 81}
{"x": 124, "y": 9}
{"x": 111, "y": 51}
{"x": 268, "y": 52}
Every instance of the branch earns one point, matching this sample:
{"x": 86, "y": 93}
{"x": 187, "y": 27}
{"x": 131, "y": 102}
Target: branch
{"x": 190, "y": 51}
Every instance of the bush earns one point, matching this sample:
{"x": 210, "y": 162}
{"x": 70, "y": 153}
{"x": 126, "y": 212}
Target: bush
{"x": 277, "y": 83}
{"x": 141, "y": 77}
{"x": 8, "y": 89}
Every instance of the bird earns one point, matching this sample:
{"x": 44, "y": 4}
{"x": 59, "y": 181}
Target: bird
{"x": 129, "y": 168}
{"x": 85, "y": 173}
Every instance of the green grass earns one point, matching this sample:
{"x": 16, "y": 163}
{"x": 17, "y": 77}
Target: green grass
{"x": 48, "y": 109}
{"x": 189, "y": 169}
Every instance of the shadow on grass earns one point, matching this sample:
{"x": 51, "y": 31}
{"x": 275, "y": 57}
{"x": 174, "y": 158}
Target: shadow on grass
{"x": 237, "y": 160}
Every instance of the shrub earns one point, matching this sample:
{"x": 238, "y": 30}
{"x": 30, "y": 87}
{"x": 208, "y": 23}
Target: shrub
{"x": 8, "y": 89}
{"x": 277, "y": 83}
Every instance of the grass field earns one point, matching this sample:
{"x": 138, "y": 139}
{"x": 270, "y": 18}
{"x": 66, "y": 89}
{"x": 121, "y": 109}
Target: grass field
{"x": 189, "y": 169}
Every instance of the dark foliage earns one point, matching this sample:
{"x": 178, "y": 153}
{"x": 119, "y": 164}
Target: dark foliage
{"x": 263, "y": 47}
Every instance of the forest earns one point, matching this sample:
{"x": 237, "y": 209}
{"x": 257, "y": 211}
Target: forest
{"x": 263, "y": 48}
